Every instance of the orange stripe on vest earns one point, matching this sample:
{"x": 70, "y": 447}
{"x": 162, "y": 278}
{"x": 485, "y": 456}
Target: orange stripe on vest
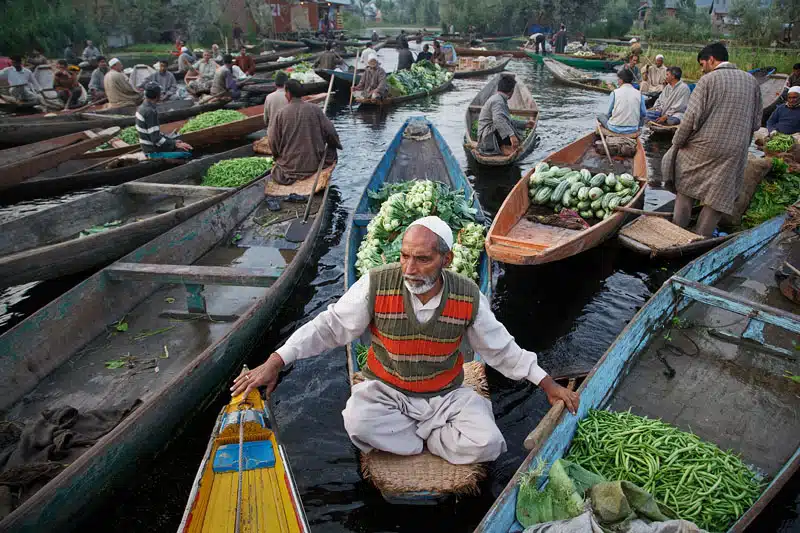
{"x": 389, "y": 304}
{"x": 429, "y": 385}
{"x": 415, "y": 346}
{"x": 457, "y": 309}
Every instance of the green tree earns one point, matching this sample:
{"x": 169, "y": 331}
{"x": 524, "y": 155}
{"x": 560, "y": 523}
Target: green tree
{"x": 756, "y": 23}
{"x": 47, "y": 24}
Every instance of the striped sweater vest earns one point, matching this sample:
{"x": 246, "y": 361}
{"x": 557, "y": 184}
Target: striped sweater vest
{"x": 418, "y": 359}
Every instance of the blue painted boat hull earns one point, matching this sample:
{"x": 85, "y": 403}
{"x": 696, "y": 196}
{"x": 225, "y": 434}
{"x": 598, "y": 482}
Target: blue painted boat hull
{"x": 608, "y": 373}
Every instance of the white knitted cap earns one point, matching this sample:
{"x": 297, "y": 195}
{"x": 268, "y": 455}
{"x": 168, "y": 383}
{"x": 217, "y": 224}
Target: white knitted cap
{"x": 438, "y": 226}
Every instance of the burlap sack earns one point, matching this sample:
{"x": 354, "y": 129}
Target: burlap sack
{"x": 757, "y": 168}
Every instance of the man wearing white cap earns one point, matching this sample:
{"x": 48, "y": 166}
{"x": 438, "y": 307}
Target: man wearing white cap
{"x": 185, "y": 60}
{"x": 119, "y": 91}
{"x": 417, "y": 312}
{"x": 654, "y": 77}
{"x": 786, "y": 117}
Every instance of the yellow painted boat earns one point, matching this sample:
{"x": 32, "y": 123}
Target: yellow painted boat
{"x": 262, "y": 496}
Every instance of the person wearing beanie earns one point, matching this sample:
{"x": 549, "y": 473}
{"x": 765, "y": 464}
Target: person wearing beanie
{"x": 417, "y": 313}
{"x": 153, "y": 142}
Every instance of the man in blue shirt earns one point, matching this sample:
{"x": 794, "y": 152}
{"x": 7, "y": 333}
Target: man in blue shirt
{"x": 786, "y": 117}
{"x": 626, "y": 110}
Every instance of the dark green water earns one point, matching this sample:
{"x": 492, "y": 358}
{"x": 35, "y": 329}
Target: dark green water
{"x": 568, "y": 312}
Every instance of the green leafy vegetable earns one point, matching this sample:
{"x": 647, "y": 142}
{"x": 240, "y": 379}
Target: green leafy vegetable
{"x": 771, "y": 199}
{"x": 121, "y": 326}
{"x": 237, "y": 172}
{"x": 100, "y": 229}
{"x": 211, "y": 119}
{"x": 361, "y": 355}
{"x": 422, "y": 77}
{"x": 694, "y": 478}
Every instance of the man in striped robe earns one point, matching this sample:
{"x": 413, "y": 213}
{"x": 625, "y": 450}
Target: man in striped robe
{"x": 417, "y": 312}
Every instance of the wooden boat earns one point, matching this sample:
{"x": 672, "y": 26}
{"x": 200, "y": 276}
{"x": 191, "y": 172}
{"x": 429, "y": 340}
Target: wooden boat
{"x": 279, "y": 65}
{"x": 283, "y": 44}
{"x": 500, "y": 66}
{"x": 586, "y": 63}
{"x": 571, "y": 76}
{"x": 408, "y": 158}
{"x": 269, "y": 501}
{"x": 125, "y": 162}
{"x": 18, "y": 164}
{"x": 194, "y": 302}
{"x": 630, "y": 374}
{"x": 515, "y": 239}
{"x": 266, "y": 58}
{"x": 389, "y": 101}
{"x": 471, "y": 52}
{"x": 342, "y": 81}
{"x": 262, "y": 89}
{"x": 521, "y": 104}
{"x": 503, "y": 39}
{"x": 34, "y": 128}
{"x": 49, "y": 244}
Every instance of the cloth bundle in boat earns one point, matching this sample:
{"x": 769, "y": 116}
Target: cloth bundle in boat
{"x": 32, "y": 455}
{"x": 756, "y": 170}
{"x": 399, "y": 474}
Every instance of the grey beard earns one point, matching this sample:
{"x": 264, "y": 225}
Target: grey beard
{"x": 428, "y": 284}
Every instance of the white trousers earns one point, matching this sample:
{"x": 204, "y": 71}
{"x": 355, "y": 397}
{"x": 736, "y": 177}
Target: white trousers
{"x": 458, "y": 426}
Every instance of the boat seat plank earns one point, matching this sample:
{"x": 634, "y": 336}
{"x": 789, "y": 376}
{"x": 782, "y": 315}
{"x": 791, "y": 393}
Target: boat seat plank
{"x": 535, "y": 234}
{"x": 194, "y": 275}
{"x": 173, "y": 190}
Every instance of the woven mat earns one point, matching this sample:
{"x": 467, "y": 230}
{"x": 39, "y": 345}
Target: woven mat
{"x": 658, "y": 233}
{"x": 302, "y": 187}
{"x": 400, "y": 474}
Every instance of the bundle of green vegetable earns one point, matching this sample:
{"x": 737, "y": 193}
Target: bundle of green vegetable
{"x": 237, "y": 172}
{"x": 422, "y": 77}
{"x": 211, "y": 119}
{"x": 128, "y": 135}
{"x": 403, "y": 203}
{"x": 772, "y": 197}
{"x": 779, "y": 143}
{"x": 592, "y": 196}
{"x": 692, "y": 477}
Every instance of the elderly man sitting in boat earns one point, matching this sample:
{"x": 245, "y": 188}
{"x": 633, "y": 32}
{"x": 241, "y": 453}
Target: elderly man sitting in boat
{"x": 185, "y": 60}
{"x": 224, "y": 83}
{"x": 96, "y": 83}
{"x": 119, "y": 91}
{"x": 626, "y": 110}
{"x": 498, "y": 132}
{"x": 204, "y": 70}
{"x": 417, "y": 312}
{"x": 654, "y": 77}
{"x": 299, "y": 134}
{"x": 24, "y": 86}
{"x": 786, "y": 117}
{"x": 373, "y": 81}
{"x": 673, "y": 100}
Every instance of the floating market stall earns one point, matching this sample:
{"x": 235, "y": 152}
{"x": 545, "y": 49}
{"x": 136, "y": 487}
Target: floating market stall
{"x": 577, "y": 78}
{"x": 421, "y": 80}
{"x": 470, "y": 68}
{"x": 417, "y": 176}
{"x": 703, "y": 367}
{"x": 586, "y": 62}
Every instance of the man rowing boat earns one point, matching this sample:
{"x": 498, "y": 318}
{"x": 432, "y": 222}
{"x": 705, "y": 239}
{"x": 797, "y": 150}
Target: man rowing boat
{"x": 418, "y": 312}
{"x": 498, "y": 132}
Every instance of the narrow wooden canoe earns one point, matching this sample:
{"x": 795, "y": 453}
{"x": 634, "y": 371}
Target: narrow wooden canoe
{"x": 365, "y": 103}
{"x": 408, "y": 159}
{"x": 48, "y": 244}
{"x": 515, "y": 239}
{"x": 21, "y": 163}
{"x": 503, "y": 39}
{"x": 521, "y": 104}
{"x": 630, "y": 374}
{"x": 23, "y": 130}
{"x": 266, "y": 58}
{"x": 283, "y": 44}
{"x": 571, "y": 76}
{"x": 474, "y": 52}
{"x": 279, "y": 65}
{"x": 270, "y": 501}
{"x": 195, "y": 302}
{"x": 500, "y": 66}
{"x": 592, "y": 63}
{"x": 342, "y": 81}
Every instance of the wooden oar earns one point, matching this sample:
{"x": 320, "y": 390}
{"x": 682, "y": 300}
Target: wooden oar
{"x": 603, "y": 138}
{"x": 90, "y": 104}
{"x": 355, "y": 74}
{"x": 543, "y": 429}
{"x": 299, "y": 228}
{"x": 328, "y": 96}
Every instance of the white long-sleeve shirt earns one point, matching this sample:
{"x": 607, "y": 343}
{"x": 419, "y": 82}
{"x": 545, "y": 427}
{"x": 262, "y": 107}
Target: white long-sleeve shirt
{"x": 347, "y": 319}
{"x": 21, "y": 77}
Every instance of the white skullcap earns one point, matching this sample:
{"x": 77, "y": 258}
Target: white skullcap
{"x": 113, "y": 62}
{"x": 659, "y": 56}
{"x": 634, "y": 39}
{"x": 795, "y": 89}
{"x": 184, "y": 49}
{"x": 438, "y": 226}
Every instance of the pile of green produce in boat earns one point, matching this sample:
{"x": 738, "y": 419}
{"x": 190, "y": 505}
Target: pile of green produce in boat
{"x": 403, "y": 203}
{"x": 127, "y": 135}
{"x": 422, "y": 77}
{"x": 591, "y": 196}
{"x": 474, "y": 129}
{"x": 211, "y": 119}
{"x": 773, "y": 195}
{"x": 780, "y": 142}
{"x": 694, "y": 478}
{"x": 237, "y": 172}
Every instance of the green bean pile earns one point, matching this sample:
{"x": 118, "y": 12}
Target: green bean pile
{"x": 129, "y": 135}
{"x": 212, "y": 118}
{"x": 694, "y": 478}
{"x": 236, "y": 172}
